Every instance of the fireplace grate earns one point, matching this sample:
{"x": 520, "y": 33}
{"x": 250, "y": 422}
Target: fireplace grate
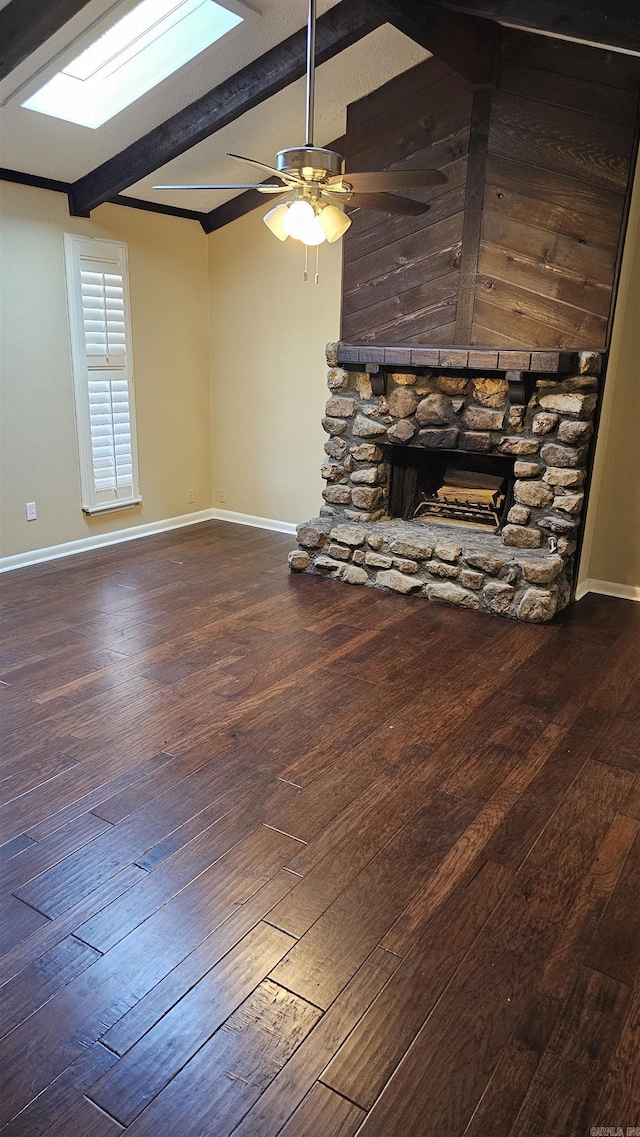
{"x": 471, "y": 514}
{"x": 469, "y": 497}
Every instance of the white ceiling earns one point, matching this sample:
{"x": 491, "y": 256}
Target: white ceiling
{"x": 38, "y": 144}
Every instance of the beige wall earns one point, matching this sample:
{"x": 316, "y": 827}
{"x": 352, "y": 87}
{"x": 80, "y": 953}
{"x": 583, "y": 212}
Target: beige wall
{"x": 240, "y": 405}
{"x": 268, "y": 370}
{"x": 611, "y": 552}
{"x": 39, "y": 459}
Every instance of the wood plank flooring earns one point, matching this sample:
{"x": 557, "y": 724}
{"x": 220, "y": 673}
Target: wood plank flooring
{"x": 283, "y": 857}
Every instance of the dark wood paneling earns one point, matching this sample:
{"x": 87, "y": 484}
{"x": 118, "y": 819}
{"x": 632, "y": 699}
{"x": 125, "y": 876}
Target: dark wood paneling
{"x": 547, "y": 53}
{"x": 505, "y": 315}
{"x": 407, "y": 85}
{"x": 437, "y": 254}
{"x": 416, "y": 326}
{"x": 542, "y": 198}
{"x": 401, "y": 274}
{"x": 615, "y": 24}
{"x": 548, "y": 248}
{"x": 568, "y": 92}
{"x": 482, "y": 335}
{"x": 466, "y": 44}
{"x": 432, "y": 110}
{"x": 373, "y": 231}
{"x": 478, "y": 139}
{"x": 584, "y": 146}
{"x": 561, "y": 156}
{"x": 589, "y": 215}
{"x": 542, "y": 278}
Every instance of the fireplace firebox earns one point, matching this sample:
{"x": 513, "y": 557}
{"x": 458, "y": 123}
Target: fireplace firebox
{"x": 474, "y": 490}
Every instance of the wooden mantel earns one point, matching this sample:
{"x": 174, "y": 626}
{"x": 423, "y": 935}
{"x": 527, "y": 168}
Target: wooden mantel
{"x": 469, "y": 358}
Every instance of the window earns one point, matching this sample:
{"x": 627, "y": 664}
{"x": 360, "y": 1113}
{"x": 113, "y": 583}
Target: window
{"x": 134, "y": 55}
{"x": 98, "y": 291}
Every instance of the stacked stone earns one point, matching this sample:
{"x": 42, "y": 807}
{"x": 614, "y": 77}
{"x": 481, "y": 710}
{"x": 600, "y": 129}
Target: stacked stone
{"x": 548, "y": 493}
{"x": 548, "y": 439}
{"x": 356, "y": 474}
{"x": 384, "y": 556}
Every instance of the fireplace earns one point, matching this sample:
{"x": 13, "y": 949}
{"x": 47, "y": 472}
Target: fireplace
{"x": 474, "y": 490}
{"x": 456, "y": 474}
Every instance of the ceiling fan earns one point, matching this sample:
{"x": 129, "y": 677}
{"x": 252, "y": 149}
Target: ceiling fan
{"x": 313, "y": 186}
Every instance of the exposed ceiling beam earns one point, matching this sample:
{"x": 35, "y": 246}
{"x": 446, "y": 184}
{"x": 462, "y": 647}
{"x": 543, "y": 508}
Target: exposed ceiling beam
{"x": 605, "y": 22}
{"x": 57, "y": 186}
{"x": 26, "y": 24}
{"x": 465, "y": 43}
{"x": 251, "y": 199}
{"x": 343, "y": 25}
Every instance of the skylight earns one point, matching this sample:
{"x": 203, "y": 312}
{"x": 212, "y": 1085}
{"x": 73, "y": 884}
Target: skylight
{"x": 152, "y": 41}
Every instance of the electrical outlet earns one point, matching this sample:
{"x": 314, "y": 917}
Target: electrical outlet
{"x": 31, "y": 511}
{"x": 189, "y": 497}
{"x": 222, "y": 494}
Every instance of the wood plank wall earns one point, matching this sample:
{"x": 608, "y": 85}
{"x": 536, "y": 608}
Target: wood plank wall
{"x": 401, "y": 274}
{"x": 543, "y": 207}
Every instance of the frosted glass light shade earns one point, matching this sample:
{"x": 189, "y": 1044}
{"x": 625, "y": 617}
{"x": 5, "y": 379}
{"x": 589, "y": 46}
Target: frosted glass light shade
{"x": 302, "y": 224}
{"x": 274, "y": 220}
{"x": 333, "y": 222}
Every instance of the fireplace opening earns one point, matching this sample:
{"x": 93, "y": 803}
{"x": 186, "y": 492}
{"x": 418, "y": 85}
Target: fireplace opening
{"x": 464, "y": 489}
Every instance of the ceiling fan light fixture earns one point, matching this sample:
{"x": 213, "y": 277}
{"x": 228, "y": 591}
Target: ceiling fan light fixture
{"x": 274, "y": 220}
{"x": 301, "y": 223}
{"x": 333, "y": 222}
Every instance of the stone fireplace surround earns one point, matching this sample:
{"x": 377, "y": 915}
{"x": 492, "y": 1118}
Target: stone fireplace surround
{"x": 535, "y": 406}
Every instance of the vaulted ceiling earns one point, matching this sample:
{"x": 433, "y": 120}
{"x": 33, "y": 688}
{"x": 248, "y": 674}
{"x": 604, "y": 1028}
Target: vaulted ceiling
{"x": 37, "y": 144}
{"x": 40, "y": 36}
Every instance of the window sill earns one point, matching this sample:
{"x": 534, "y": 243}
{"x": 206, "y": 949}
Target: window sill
{"x": 111, "y": 506}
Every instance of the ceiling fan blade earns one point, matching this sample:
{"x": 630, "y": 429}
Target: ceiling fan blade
{"x": 228, "y": 186}
{"x": 389, "y": 203}
{"x": 289, "y": 178}
{"x": 374, "y": 181}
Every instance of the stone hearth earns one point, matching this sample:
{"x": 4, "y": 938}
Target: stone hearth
{"x": 536, "y": 408}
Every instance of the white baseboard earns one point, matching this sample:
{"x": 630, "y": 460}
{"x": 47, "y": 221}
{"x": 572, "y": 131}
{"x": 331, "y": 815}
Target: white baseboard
{"x": 254, "y": 522}
{"x": 608, "y": 588}
{"x": 101, "y": 540}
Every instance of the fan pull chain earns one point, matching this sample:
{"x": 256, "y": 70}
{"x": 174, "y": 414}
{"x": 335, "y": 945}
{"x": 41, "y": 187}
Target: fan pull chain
{"x": 306, "y": 263}
{"x": 317, "y": 276}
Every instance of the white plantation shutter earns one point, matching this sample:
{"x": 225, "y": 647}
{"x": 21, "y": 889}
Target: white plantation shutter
{"x": 103, "y": 373}
{"x": 103, "y": 312}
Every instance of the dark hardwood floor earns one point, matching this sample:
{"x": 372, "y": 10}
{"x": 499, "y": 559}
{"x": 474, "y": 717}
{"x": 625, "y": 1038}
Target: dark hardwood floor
{"x": 285, "y": 857}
